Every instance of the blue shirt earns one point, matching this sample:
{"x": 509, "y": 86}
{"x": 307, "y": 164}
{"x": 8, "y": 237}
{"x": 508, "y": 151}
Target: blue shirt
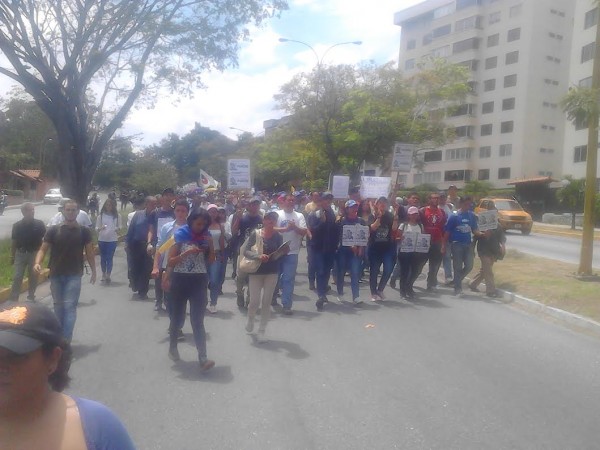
{"x": 138, "y": 228}
{"x": 102, "y": 430}
{"x": 460, "y": 226}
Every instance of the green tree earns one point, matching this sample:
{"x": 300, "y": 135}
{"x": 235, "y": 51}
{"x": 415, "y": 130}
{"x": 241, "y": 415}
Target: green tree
{"x": 571, "y": 196}
{"x": 152, "y": 176}
{"x": 87, "y": 62}
{"x": 477, "y": 189}
{"x": 117, "y": 165}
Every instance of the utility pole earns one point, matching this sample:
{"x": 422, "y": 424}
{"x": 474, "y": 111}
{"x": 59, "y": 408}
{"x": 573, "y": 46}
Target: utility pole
{"x": 587, "y": 239}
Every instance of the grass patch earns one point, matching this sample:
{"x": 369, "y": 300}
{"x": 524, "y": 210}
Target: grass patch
{"x": 6, "y": 268}
{"x": 547, "y": 281}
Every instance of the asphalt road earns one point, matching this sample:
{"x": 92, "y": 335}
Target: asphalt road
{"x": 442, "y": 373}
{"x": 559, "y": 248}
{"x": 12, "y": 215}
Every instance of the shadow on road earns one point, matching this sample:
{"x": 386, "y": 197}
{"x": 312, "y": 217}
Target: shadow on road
{"x": 190, "y": 370}
{"x": 92, "y": 302}
{"x": 429, "y": 303}
{"x": 221, "y": 314}
{"x": 82, "y": 350}
{"x": 293, "y": 351}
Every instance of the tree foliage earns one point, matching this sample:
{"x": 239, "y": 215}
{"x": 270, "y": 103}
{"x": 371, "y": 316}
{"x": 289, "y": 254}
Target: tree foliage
{"x": 152, "y": 176}
{"x": 477, "y": 189}
{"x": 86, "y": 62}
{"x": 350, "y": 114}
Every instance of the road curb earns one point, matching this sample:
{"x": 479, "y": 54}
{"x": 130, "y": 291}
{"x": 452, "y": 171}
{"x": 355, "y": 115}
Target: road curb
{"x": 5, "y": 293}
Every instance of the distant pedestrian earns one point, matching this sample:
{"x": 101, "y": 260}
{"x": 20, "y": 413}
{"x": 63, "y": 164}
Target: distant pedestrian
{"x": 411, "y": 263}
{"x": 67, "y": 244}
{"x": 34, "y": 413}
{"x": 186, "y": 279}
{"x": 349, "y": 258}
{"x": 382, "y": 247}
{"x": 217, "y": 234}
{"x": 490, "y": 248}
{"x": 27, "y": 235}
{"x": 434, "y": 220}
{"x": 108, "y": 224}
{"x": 447, "y": 256}
{"x": 264, "y": 279}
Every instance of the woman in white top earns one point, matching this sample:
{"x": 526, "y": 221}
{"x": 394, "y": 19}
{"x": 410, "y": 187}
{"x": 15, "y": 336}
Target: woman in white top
{"x": 108, "y": 223}
{"x": 217, "y": 234}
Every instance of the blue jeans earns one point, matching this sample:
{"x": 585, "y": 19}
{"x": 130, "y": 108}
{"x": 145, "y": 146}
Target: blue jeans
{"x": 447, "y": 261}
{"x": 377, "y": 257}
{"x": 287, "y": 278}
{"x": 107, "y": 253}
{"x": 462, "y": 262}
{"x": 323, "y": 262}
{"x": 214, "y": 270}
{"x": 346, "y": 259}
{"x": 65, "y": 291}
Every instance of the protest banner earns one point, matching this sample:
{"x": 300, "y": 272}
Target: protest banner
{"x": 375, "y": 187}
{"x": 340, "y": 186}
{"x": 423, "y": 243}
{"x": 403, "y": 156}
{"x": 238, "y": 174}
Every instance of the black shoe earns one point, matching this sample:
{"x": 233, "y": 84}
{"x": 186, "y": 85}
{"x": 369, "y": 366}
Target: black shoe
{"x": 325, "y": 299}
{"x": 240, "y": 301}
{"x": 143, "y": 296}
{"x": 287, "y": 311}
{"x": 174, "y": 354}
{"x": 320, "y": 304}
{"x": 473, "y": 288}
{"x": 393, "y": 284}
{"x": 403, "y": 294}
{"x": 180, "y": 336}
{"x": 410, "y": 295}
{"x": 274, "y": 302}
{"x": 311, "y": 285}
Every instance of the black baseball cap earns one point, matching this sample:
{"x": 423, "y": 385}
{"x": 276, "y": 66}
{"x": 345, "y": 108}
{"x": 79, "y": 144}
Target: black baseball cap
{"x": 327, "y": 195}
{"x": 25, "y": 327}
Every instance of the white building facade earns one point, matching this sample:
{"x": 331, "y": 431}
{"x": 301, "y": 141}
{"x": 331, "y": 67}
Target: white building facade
{"x": 511, "y": 125}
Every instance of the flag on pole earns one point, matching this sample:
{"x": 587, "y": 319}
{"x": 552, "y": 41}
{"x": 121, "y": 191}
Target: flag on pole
{"x": 206, "y": 181}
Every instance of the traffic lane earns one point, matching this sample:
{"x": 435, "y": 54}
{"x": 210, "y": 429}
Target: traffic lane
{"x": 443, "y": 373}
{"x": 559, "y": 248}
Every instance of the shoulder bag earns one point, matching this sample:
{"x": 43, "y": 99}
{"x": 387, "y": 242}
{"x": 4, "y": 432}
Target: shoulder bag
{"x": 245, "y": 264}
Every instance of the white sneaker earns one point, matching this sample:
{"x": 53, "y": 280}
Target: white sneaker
{"x": 340, "y": 298}
{"x": 212, "y": 309}
{"x": 357, "y": 301}
{"x": 375, "y": 298}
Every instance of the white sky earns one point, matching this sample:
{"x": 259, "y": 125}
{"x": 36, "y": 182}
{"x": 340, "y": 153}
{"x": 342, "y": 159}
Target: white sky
{"x": 243, "y": 97}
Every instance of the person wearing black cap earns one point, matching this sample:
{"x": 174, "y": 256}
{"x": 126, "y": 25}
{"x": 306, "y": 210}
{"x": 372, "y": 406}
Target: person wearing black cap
{"x": 34, "y": 366}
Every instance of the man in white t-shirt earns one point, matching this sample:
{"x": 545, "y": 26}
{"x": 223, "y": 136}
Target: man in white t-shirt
{"x": 292, "y": 226}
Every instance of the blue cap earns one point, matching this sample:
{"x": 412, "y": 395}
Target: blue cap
{"x": 350, "y": 203}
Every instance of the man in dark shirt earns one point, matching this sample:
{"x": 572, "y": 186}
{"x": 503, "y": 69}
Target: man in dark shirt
{"x": 27, "y": 235}
{"x": 67, "y": 243}
{"x": 137, "y": 248}
{"x": 241, "y": 226}
{"x": 156, "y": 219}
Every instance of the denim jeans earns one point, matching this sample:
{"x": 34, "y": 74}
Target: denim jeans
{"x": 462, "y": 262}
{"x": 107, "y": 253}
{"x": 435, "y": 260}
{"x": 347, "y": 260}
{"x": 214, "y": 276}
{"x": 323, "y": 264}
{"x": 377, "y": 257}
{"x": 23, "y": 260}
{"x": 65, "y": 291}
{"x": 447, "y": 261}
{"x": 192, "y": 287}
{"x": 287, "y": 278}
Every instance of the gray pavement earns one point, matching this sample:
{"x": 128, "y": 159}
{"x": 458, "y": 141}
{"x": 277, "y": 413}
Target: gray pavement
{"x": 441, "y": 373}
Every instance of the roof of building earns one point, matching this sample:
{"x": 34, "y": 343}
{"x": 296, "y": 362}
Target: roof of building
{"x": 534, "y": 180}
{"x": 32, "y": 174}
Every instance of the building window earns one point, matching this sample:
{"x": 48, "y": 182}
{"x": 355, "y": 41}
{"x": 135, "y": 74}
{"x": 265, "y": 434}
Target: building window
{"x": 458, "y": 154}
{"x": 513, "y": 35}
{"x": 510, "y": 80}
{"x": 511, "y": 58}
{"x": 506, "y": 150}
{"x": 472, "y": 64}
{"x": 580, "y": 154}
{"x": 504, "y": 173}
{"x": 464, "y": 131}
{"x": 467, "y": 44}
{"x": 441, "y": 31}
{"x": 443, "y": 10}
{"x": 586, "y": 82}
{"x": 591, "y": 18}
{"x": 485, "y": 152}
{"x": 409, "y": 64}
{"x": 432, "y": 177}
{"x": 432, "y": 156}
{"x": 483, "y": 174}
{"x": 491, "y": 63}
{"x": 462, "y": 4}
{"x": 587, "y": 52}
{"x": 553, "y": 59}
{"x": 581, "y": 124}
{"x": 507, "y": 127}
{"x": 489, "y": 85}
{"x": 515, "y": 11}
{"x": 547, "y": 150}
{"x": 486, "y": 129}
{"x": 472, "y": 87}
{"x": 457, "y": 175}
{"x": 487, "y": 107}
{"x": 493, "y": 40}
{"x": 427, "y": 39}
{"x": 468, "y": 24}
{"x": 411, "y": 44}
{"x": 508, "y": 104}
{"x": 494, "y": 17}
{"x": 441, "y": 52}
{"x": 466, "y": 109}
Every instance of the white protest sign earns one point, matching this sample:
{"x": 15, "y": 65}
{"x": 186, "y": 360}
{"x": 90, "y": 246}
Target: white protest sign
{"x": 238, "y": 174}
{"x": 409, "y": 241}
{"x": 487, "y": 220}
{"x": 375, "y": 187}
{"x": 340, "y": 186}
{"x": 355, "y": 235}
{"x": 403, "y": 156}
{"x": 423, "y": 243}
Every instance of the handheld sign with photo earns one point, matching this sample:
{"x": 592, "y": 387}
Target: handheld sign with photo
{"x": 487, "y": 220}
{"x": 409, "y": 241}
{"x": 423, "y": 243}
{"x": 238, "y": 174}
{"x": 403, "y": 155}
{"x": 375, "y": 187}
{"x": 340, "y": 186}
{"x": 355, "y": 236}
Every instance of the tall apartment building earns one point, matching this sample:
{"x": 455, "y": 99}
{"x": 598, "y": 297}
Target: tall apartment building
{"x": 511, "y": 125}
{"x": 580, "y": 74}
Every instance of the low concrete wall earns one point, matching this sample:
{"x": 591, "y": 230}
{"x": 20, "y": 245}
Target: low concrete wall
{"x": 562, "y": 219}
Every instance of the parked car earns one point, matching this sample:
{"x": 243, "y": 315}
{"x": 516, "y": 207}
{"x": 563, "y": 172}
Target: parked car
{"x": 511, "y": 215}
{"x": 52, "y": 197}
